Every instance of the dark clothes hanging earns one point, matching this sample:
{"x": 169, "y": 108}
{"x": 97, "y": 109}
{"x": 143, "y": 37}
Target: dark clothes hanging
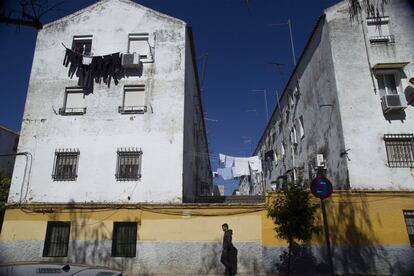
{"x": 102, "y": 68}
{"x": 229, "y": 254}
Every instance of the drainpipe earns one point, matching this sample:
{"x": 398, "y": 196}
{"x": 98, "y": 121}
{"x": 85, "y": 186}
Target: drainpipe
{"x": 367, "y": 53}
{"x": 27, "y": 172}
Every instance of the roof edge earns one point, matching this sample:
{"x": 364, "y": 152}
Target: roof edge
{"x": 102, "y": 2}
{"x": 9, "y": 130}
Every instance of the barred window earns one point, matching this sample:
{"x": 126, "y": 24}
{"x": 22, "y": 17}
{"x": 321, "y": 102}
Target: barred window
{"x": 124, "y": 239}
{"x": 66, "y": 164}
{"x": 409, "y": 222}
{"x": 128, "y": 164}
{"x": 400, "y": 150}
{"x": 57, "y": 239}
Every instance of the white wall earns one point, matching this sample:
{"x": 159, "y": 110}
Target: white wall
{"x": 363, "y": 120}
{"x": 99, "y": 132}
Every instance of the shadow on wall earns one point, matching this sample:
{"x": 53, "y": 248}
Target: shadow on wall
{"x": 96, "y": 249}
{"x": 302, "y": 260}
{"x": 210, "y": 259}
{"x": 355, "y": 247}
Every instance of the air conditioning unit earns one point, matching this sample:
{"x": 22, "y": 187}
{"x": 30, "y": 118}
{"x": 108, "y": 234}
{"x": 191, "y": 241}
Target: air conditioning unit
{"x": 130, "y": 60}
{"x": 319, "y": 162}
{"x": 391, "y": 102}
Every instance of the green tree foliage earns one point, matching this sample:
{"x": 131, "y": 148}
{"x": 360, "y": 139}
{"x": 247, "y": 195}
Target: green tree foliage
{"x": 4, "y": 189}
{"x": 294, "y": 215}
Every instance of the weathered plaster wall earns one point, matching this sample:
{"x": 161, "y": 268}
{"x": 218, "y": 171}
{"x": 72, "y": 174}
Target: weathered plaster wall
{"x": 367, "y": 231}
{"x": 318, "y": 106}
{"x": 364, "y": 123}
{"x": 197, "y": 174}
{"x": 8, "y": 145}
{"x": 99, "y": 132}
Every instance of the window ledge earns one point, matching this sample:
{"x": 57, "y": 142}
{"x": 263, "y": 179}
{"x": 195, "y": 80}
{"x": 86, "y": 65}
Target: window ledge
{"x": 382, "y": 39}
{"x": 72, "y": 111}
{"x": 57, "y": 178}
{"x": 120, "y": 178}
{"x": 132, "y": 109}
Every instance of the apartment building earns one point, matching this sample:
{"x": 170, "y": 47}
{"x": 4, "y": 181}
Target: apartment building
{"x": 347, "y": 109}
{"x": 120, "y": 121}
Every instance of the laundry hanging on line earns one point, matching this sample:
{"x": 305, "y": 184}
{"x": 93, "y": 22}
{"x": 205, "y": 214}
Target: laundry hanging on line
{"x": 225, "y": 173}
{"x": 240, "y": 166}
{"x": 93, "y": 68}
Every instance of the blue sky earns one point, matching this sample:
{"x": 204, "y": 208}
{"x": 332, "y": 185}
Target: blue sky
{"x": 240, "y": 44}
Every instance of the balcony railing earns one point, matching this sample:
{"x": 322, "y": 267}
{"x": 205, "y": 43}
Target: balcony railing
{"x": 72, "y": 111}
{"x": 382, "y": 39}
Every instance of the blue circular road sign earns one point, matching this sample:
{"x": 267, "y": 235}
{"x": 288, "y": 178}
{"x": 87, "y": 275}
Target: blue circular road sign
{"x": 321, "y": 187}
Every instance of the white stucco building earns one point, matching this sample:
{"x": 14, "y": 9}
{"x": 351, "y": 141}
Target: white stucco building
{"x": 142, "y": 140}
{"x": 8, "y": 147}
{"x": 349, "y": 99}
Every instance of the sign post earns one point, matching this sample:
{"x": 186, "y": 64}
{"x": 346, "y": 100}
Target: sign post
{"x": 321, "y": 188}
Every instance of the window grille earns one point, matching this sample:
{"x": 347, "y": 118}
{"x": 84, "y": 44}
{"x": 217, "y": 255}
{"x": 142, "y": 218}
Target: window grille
{"x": 124, "y": 239}
{"x": 66, "y": 164}
{"x": 400, "y": 150}
{"x": 378, "y": 30}
{"x": 409, "y": 222}
{"x": 57, "y": 239}
{"x": 128, "y": 164}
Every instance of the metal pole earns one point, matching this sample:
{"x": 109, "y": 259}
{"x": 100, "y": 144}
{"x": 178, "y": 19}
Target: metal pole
{"x": 291, "y": 42}
{"x": 326, "y": 230}
{"x": 265, "y": 100}
{"x": 291, "y": 38}
{"x": 267, "y": 111}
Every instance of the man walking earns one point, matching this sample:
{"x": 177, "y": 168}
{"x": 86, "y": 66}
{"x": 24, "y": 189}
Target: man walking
{"x": 229, "y": 252}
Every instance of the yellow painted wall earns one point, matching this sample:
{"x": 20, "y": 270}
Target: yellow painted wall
{"x": 355, "y": 218}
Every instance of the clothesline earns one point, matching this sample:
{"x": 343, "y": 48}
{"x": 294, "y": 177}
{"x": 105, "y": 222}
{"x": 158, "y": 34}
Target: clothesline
{"x": 94, "y": 69}
{"x": 239, "y": 166}
{"x": 78, "y": 53}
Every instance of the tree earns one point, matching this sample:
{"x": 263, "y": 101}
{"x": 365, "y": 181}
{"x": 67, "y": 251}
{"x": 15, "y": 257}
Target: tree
{"x": 4, "y": 192}
{"x": 294, "y": 215}
{"x": 28, "y": 14}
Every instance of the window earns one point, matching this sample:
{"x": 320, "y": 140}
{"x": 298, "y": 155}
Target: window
{"x": 400, "y": 150}
{"x": 82, "y": 44}
{"x": 378, "y": 30}
{"x": 134, "y": 100}
{"x": 57, "y": 239}
{"x": 124, "y": 239}
{"x": 66, "y": 164}
{"x": 409, "y": 222}
{"x": 74, "y": 103}
{"x": 128, "y": 164}
{"x": 138, "y": 43}
{"x": 301, "y": 128}
{"x": 388, "y": 82}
